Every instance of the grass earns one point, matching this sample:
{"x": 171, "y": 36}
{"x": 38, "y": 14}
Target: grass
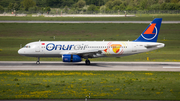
{"x": 14, "y": 34}
{"x": 139, "y": 17}
{"x": 100, "y": 84}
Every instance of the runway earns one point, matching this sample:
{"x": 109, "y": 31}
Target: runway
{"x": 165, "y": 22}
{"x": 95, "y": 66}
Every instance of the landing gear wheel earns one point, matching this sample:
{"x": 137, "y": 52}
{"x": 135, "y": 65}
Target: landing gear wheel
{"x": 87, "y": 62}
{"x": 37, "y": 62}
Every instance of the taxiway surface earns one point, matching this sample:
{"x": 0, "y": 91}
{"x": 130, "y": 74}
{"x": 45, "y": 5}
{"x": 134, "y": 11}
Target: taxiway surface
{"x": 95, "y": 66}
{"x": 166, "y": 22}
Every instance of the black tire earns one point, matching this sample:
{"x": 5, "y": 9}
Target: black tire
{"x": 87, "y": 62}
{"x": 37, "y": 62}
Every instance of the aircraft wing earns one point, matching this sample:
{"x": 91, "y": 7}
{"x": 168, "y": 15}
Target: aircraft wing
{"x": 86, "y": 53}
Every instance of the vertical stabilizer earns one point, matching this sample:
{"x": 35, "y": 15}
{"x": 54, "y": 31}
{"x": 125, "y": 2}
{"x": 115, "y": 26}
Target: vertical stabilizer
{"x": 150, "y": 34}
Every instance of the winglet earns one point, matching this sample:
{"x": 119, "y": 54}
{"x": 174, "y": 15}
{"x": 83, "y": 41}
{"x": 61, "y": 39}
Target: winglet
{"x": 150, "y": 34}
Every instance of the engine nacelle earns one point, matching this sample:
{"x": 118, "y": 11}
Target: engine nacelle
{"x": 71, "y": 58}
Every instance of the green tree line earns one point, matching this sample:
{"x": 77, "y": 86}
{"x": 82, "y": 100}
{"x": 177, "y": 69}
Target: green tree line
{"x": 90, "y": 5}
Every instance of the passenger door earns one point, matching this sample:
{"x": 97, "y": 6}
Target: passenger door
{"x": 37, "y": 49}
{"x": 134, "y": 47}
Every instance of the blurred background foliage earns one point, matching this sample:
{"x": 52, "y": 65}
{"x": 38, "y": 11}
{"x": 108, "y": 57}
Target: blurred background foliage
{"x": 88, "y": 5}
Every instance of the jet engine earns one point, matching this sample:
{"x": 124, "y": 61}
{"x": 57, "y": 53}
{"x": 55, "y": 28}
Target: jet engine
{"x": 71, "y": 58}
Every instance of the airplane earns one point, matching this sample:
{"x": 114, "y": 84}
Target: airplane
{"x": 74, "y": 51}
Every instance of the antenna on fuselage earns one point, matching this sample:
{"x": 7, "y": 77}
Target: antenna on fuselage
{"x": 20, "y": 45}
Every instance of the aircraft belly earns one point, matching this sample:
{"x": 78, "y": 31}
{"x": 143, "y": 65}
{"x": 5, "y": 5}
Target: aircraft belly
{"x": 43, "y": 55}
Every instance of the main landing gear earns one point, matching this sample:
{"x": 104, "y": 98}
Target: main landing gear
{"x": 38, "y": 61}
{"x": 87, "y": 62}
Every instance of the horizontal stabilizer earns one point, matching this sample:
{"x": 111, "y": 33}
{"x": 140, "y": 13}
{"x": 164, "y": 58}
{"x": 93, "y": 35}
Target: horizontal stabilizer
{"x": 154, "y": 46}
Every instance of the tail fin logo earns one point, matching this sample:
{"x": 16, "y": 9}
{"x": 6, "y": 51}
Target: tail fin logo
{"x": 151, "y": 32}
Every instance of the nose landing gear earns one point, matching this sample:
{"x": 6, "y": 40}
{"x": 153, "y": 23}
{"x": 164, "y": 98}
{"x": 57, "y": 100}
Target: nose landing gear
{"x": 38, "y": 61}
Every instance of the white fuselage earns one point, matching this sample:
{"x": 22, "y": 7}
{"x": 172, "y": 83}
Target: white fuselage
{"x": 92, "y": 48}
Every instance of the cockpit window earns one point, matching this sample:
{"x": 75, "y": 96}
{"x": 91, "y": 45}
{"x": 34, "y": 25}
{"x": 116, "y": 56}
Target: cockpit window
{"x": 27, "y": 46}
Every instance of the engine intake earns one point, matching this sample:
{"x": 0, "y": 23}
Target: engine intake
{"x": 71, "y": 58}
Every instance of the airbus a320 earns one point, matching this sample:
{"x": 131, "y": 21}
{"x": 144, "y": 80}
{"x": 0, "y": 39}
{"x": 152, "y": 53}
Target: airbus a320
{"x": 75, "y": 51}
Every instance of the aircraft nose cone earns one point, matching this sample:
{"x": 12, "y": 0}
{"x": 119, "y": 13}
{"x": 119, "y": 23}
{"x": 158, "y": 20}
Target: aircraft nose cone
{"x": 20, "y": 51}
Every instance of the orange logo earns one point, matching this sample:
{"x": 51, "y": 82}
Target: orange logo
{"x": 116, "y": 47}
{"x": 150, "y": 29}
